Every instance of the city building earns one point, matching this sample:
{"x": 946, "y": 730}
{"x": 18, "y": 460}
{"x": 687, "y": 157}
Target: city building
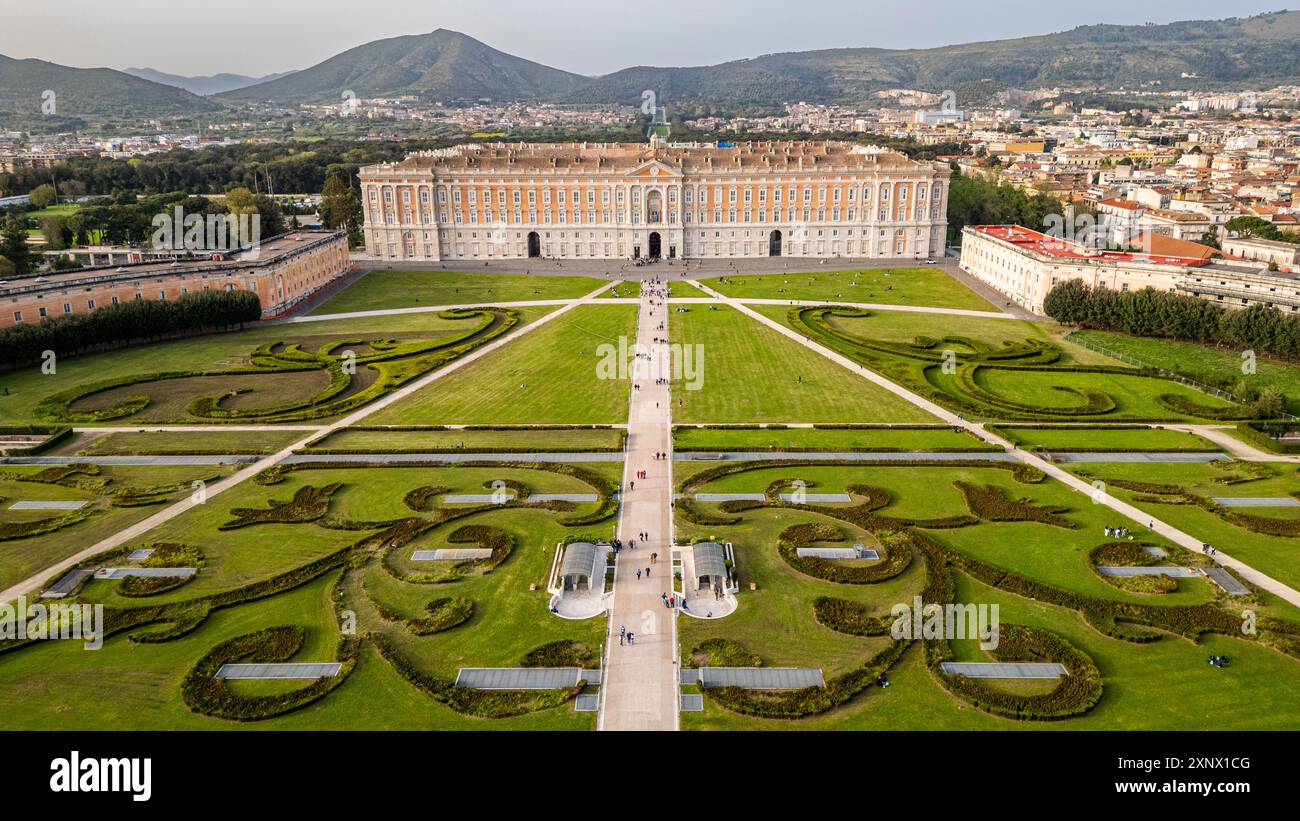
{"x": 1024, "y": 265}
{"x": 283, "y": 271}
{"x": 655, "y": 200}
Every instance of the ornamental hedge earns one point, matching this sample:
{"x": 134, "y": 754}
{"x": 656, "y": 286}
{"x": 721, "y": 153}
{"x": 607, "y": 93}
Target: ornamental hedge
{"x": 206, "y": 694}
{"x": 562, "y": 653}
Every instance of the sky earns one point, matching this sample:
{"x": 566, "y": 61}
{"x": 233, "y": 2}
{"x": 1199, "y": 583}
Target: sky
{"x": 257, "y": 37}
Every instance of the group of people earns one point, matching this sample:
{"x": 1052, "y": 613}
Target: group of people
{"x": 659, "y": 455}
{"x": 1118, "y": 532}
{"x": 625, "y": 636}
{"x": 642, "y": 474}
{"x": 1209, "y": 550}
{"x": 1219, "y": 661}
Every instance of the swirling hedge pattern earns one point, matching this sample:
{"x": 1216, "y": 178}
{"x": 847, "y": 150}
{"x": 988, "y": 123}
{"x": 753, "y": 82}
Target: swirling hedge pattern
{"x": 967, "y": 359}
{"x": 394, "y": 364}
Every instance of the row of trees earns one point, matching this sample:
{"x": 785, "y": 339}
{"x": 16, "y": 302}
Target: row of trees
{"x": 1167, "y": 315}
{"x": 128, "y": 322}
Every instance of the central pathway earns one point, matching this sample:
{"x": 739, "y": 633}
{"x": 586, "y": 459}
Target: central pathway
{"x": 640, "y": 687}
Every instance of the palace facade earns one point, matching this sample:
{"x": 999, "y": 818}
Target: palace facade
{"x": 283, "y": 271}
{"x": 654, "y": 200}
{"x": 1024, "y": 265}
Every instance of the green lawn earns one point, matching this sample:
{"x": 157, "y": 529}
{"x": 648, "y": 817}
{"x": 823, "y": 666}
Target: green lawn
{"x": 829, "y": 439}
{"x": 751, "y": 373}
{"x": 167, "y": 442}
{"x": 923, "y": 286}
{"x": 1161, "y": 685}
{"x": 136, "y": 686}
{"x": 1077, "y": 438}
{"x": 28, "y": 387}
{"x": 551, "y": 375}
{"x": 126, "y": 686}
{"x": 386, "y": 289}
{"x": 1214, "y": 366}
{"x": 1274, "y": 555}
{"x": 416, "y": 441}
{"x": 1134, "y": 396}
{"x": 23, "y": 558}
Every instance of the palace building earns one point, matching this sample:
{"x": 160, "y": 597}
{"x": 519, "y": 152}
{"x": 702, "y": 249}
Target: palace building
{"x": 283, "y": 271}
{"x": 1024, "y": 265}
{"x": 655, "y": 200}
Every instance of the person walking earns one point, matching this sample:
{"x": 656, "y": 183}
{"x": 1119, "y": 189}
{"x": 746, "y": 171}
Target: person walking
{"x": 638, "y": 574}
{"x": 647, "y": 572}
{"x": 622, "y": 633}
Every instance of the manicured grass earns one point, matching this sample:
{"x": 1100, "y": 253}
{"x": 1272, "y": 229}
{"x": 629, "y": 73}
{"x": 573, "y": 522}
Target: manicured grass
{"x": 1076, "y": 438}
{"x": 925, "y": 286}
{"x": 551, "y": 375}
{"x": 167, "y": 442}
{"x": 829, "y": 439}
{"x": 1277, "y": 556}
{"x": 751, "y": 373}
{"x": 385, "y": 289}
{"x": 1213, "y": 366}
{"x": 1134, "y": 396}
{"x": 415, "y": 441}
{"x": 136, "y": 686}
{"x": 1160, "y": 685}
{"x": 125, "y": 686}
{"x": 29, "y": 386}
{"x": 23, "y": 558}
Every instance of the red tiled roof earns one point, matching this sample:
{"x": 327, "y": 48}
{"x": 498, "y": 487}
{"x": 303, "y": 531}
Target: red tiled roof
{"x": 1039, "y": 243}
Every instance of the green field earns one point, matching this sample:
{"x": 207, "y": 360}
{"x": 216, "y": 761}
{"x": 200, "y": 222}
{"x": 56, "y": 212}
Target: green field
{"x": 21, "y": 558}
{"x": 1213, "y": 366}
{"x": 922, "y": 286}
{"x": 525, "y": 439}
{"x": 1273, "y": 555}
{"x": 207, "y": 356}
{"x": 1163, "y": 684}
{"x": 178, "y": 442}
{"x": 388, "y": 289}
{"x": 550, "y": 376}
{"x": 1077, "y": 438}
{"x": 60, "y": 685}
{"x": 827, "y": 439}
{"x": 751, "y": 373}
{"x": 994, "y": 369}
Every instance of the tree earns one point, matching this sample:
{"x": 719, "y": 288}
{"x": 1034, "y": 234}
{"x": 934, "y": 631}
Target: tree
{"x": 13, "y": 245}
{"x": 1252, "y": 227}
{"x": 341, "y": 208}
{"x": 240, "y": 203}
{"x": 42, "y": 196}
{"x": 1067, "y": 302}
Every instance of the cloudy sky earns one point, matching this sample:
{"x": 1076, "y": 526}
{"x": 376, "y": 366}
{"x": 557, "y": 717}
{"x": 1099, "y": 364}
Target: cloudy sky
{"x": 589, "y": 36}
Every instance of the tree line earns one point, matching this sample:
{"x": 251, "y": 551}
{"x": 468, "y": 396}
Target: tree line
{"x": 1167, "y": 315}
{"x": 127, "y": 322}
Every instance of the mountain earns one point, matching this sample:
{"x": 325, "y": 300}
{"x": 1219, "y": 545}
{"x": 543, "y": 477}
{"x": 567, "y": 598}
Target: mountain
{"x": 205, "y": 85}
{"x": 440, "y": 65}
{"x": 1252, "y": 51}
{"x": 84, "y": 95}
